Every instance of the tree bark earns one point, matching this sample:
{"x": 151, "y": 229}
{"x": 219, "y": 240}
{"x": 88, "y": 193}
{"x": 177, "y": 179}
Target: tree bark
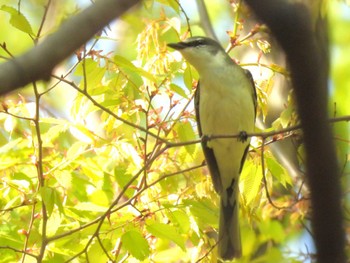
{"x": 304, "y": 42}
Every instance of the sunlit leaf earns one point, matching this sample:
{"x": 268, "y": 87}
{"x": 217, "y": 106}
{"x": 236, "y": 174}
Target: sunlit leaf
{"x": 264, "y": 46}
{"x": 75, "y": 150}
{"x": 279, "y": 69}
{"x": 204, "y": 209}
{"x": 186, "y": 133}
{"x": 136, "y": 244}
{"x": 148, "y": 4}
{"x": 272, "y": 229}
{"x": 48, "y": 196}
{"x": 53, "y": 223}
{"x": 278, "y": 171}
{"x": 175, "y": 5}
{"x": 52, "y": 134}
{"x": 96, "y": 254}
{"x": 92, "y": 73}
{"x": 82, "y": 133}
{"x": 126, "y": 64}
{"x": 165, "y": 231}
{"x": 188, "y": 78}
{"x": 181, "y": 219}
{"x": 18, "y": 20}
{"x": 58, "y": 201}
{"x": 178, "y": 90}
{"x": 250, "y": 182}
{"x": 90, "y": 207}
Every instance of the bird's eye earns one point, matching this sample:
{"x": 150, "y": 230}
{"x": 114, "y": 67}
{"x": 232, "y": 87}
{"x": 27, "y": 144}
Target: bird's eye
{"x": 196, "y": 43}
{"x": 199, "y": 42}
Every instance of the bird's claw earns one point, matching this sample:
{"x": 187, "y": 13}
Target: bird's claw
{"x": 243, "y": 136}
{"x": 206, "y": 138}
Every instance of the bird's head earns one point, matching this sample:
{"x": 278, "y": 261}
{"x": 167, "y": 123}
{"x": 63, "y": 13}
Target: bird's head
{"x": 202, "y": 52}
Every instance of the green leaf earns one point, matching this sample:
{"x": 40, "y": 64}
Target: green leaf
{"x": 82, "y": 133}
{"x": 92, "y": 71}
{"x": 148, "y": 4}
{"x": 54, "y": 222}
{"x": 186, "y": 133}
{"x": 164, "y": 231}
{"x": 18, "y": 20}
{"x": 272, "y": 229}
{"x": 204, "y": 209}
{"x": 286, "y": 117}
{"x": 136, "y": 244}
{"x": 107, "y": 186}
{"x": 188, "y": 78}
{"x": 250, "y": 182}
{"x": 278, "y": 171}
{"x": 58, "y": 201}
{"x": 123, "y": 177}
{"x": 180, "y": 219}
{"x": 178, "y": 90}
{"x": 75, "y": 150}
{"x": 49, "y": 137}
{"x": 85, "y": 206}
{"x": 175, "y": 5}
{"x": 126, "y": 64}
{"x": 48, "y": 196}
{"x": 96, "y": 254}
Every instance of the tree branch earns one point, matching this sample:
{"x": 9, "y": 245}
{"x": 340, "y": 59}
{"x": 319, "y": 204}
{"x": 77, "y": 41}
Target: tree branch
{"x": 39, "y": 62}
{"x": 307, "y": 55}
{"x": 205, "y": 20}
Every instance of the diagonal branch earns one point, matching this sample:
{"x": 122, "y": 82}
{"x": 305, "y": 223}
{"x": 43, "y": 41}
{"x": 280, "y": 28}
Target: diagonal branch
{"x": 39, "y": 62}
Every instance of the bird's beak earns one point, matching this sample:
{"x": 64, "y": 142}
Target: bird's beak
{"x": 177, "y": 46}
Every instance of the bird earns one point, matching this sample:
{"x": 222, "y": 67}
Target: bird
{"x": 225, "y": 104}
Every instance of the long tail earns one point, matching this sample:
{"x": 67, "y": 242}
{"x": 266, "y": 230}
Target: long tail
{"x": 229, "y": 245}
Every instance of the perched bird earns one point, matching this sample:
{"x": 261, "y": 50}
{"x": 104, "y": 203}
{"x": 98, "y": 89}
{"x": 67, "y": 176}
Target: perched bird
{"x": 225, "y": 104}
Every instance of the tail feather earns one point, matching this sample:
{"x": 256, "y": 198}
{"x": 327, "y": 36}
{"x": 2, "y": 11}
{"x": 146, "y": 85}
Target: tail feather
{"x": 229, "y": 245}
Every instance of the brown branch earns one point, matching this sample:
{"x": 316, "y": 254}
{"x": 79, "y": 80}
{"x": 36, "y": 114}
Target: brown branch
{"x": 38, "y": 34}
{"x": 306, "y": 51}
{"x": 18, "y": 251}
{"x": 268, "y": 196}
{"x": 39, "y": 62}
{"x": 186, "y": 17}
{"x": 41, "y": 179}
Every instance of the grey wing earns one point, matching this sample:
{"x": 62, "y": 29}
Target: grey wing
{"x": 208, "y": 152}
{"x": 255, "y": 100}
{"x": 255, "y": 97}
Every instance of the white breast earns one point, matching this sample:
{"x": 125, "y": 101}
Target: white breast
{"x": 226, "y": 107}
{"x": 226, "y": 104}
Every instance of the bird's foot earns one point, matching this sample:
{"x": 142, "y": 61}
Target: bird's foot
{"x": 206, "y": 138}
{"x": 243, "y": 136}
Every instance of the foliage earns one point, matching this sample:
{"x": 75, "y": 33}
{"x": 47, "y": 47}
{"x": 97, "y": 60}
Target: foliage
{"x": 103, "y": 163}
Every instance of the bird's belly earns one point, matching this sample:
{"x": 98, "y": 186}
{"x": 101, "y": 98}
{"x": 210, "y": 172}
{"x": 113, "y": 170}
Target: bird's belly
{"x": 226, "y": 112}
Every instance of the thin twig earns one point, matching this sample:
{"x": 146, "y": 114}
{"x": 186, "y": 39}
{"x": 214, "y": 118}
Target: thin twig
{"x": 264, "y": 177}
{"x": 186, "y": 16}
{"x": 19, "y": 251}
{"x": 73, "y": 85}
{"x": 38, "y": 35}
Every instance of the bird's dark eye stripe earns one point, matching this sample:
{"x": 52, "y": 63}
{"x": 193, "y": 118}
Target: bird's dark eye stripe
{"x": 195, "y": 43}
